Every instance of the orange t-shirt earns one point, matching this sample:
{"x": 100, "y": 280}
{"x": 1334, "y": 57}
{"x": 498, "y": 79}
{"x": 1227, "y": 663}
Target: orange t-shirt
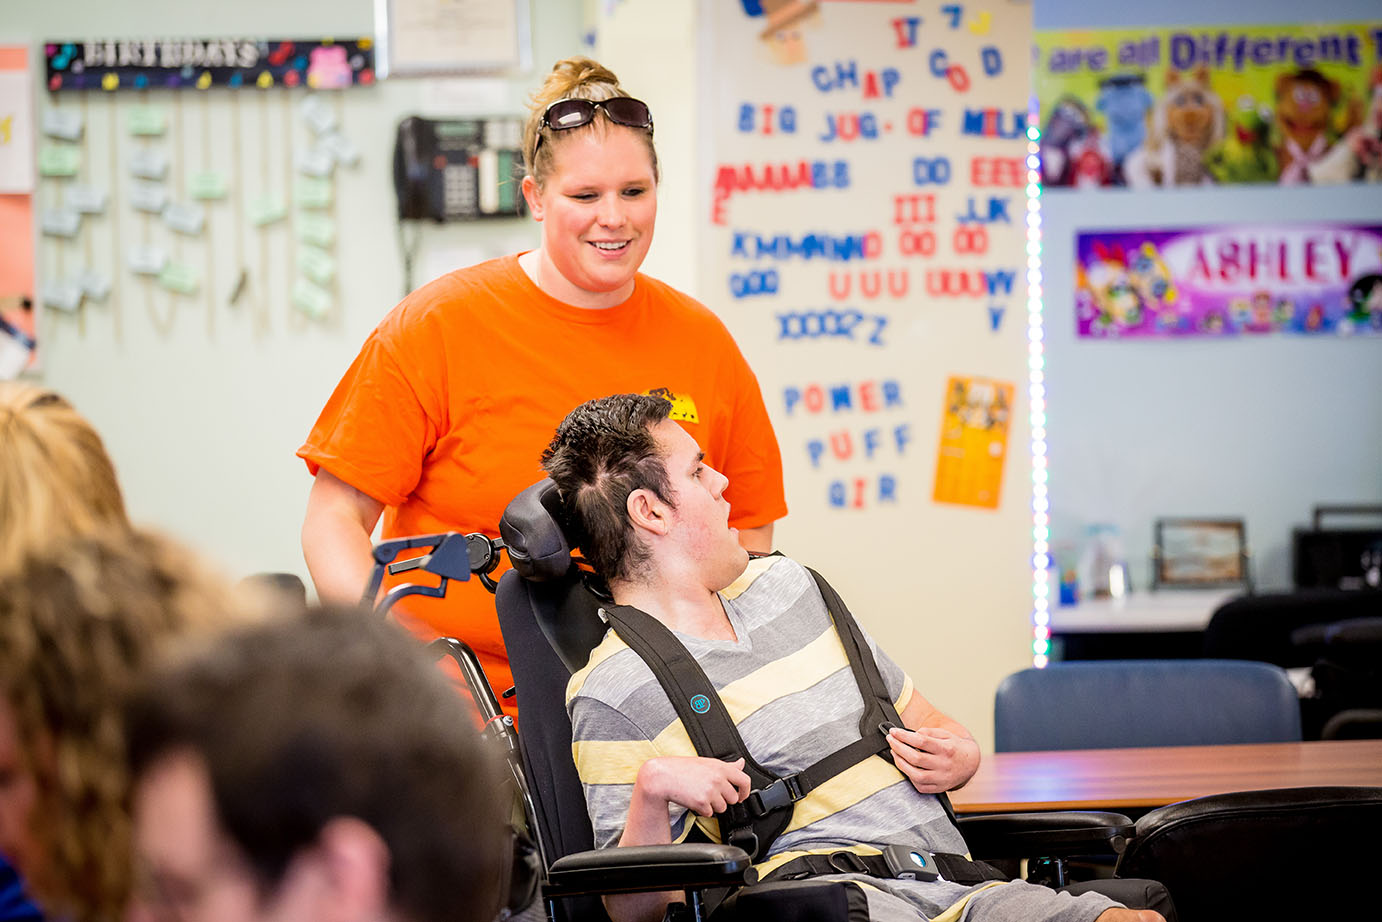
{"x": 446, "y": 410}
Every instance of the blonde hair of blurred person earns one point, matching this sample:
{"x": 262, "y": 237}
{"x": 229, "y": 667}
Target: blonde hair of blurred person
{"x": 56, "y": 479}
{"x": 78, "y": 625}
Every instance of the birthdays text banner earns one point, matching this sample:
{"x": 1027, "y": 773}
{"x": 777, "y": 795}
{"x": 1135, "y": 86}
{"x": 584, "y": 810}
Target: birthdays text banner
{"x": 201, "y": 63}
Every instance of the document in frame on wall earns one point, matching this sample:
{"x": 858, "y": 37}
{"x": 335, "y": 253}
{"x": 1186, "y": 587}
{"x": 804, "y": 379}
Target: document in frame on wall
{"x": 418, "y": 37}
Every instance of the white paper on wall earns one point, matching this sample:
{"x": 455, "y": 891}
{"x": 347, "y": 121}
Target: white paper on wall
{"x": 16, "y": 133}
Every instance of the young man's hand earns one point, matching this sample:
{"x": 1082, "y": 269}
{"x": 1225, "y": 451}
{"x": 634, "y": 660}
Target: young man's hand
{"x": 934, "y": 759}
{"x": 703, "y": 786}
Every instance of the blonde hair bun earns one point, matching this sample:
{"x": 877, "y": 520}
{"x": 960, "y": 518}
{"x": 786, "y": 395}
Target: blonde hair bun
{"x": 570, "y": 78}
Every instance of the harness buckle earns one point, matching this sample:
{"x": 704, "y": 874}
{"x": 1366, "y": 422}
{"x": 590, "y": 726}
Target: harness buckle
{"x": 781, "y": 793}
{"x": 744, "y": 838}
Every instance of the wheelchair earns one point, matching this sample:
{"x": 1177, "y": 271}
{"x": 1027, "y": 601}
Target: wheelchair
{"x": 548, "y": 614}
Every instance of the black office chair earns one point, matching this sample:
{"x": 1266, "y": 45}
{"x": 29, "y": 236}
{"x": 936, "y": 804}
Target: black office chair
{"x": 1259, "y": 627}
{"x": 1126, "y": 703}
{"x": 548, "y": 614}
{"x": 1230, "y": 856}
{"x": 1346, "y": 698}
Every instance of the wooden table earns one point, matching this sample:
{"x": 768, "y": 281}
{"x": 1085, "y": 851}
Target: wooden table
{"x": 1138, "y": 779}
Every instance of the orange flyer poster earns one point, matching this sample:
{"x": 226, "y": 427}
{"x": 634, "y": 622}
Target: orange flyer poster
{"x": 974, "y": 441}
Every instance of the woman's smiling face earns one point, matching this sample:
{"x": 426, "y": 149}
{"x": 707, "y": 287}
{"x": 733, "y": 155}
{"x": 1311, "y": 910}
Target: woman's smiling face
{"x": 597, "y": 209}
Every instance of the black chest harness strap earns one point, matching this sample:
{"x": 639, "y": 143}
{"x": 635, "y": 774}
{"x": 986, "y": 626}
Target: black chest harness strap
{"x": 755, "y": 823}
{"x": 955, "y": 868}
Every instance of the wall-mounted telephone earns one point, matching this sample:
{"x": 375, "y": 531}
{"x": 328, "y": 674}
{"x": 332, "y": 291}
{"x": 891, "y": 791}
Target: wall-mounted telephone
{"x": 457, "y": 169}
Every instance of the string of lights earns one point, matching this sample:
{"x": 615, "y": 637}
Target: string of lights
{"x": 1036, "y": 392}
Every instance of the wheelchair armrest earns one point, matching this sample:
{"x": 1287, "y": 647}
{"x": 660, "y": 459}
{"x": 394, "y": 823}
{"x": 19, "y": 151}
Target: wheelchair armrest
{"x": 644, "y": 868}
{"x": 1046, "y": 835}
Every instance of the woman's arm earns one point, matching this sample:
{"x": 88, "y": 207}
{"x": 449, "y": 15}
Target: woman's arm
{"x": 336, "y": 538}
{"x": 759, "y": 540}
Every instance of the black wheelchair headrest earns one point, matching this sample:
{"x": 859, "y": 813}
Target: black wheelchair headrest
{"x": 532, "y": 531}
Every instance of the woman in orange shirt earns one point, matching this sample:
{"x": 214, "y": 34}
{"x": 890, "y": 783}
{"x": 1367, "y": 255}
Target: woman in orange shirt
{"x": 442, "y": 417}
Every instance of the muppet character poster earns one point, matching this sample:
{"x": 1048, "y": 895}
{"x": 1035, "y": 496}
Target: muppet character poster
{"x": 1250, "y": 280}
{"x": 1211, "y": 105}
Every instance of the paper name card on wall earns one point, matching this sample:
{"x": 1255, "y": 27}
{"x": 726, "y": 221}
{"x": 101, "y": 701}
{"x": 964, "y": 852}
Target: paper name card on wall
{"x": 62, "y": 124}
{"x": 318, "y": 114}
{"x": 208, "y": 184}
{"x": 314, "y": 162}
{"x": 311, "y": 299}
{"x": 147, "y": 259}
{"x": 86, "y": 199}
{"x": 149, "y": 197}
{"x": 185, "y": 217}
{"x": 60, "y": 222}
{"x": 317, "y": 265}
{"x": 179, "y": 278}
{"x": 310, "y": 192}
{"x": 316, "y": 229}
{"x": 94, "y": 283}
{"x": 267, "y": 209}
{"x": 147, "y": 121}
{"x": 149, "y": 163}
{"x": 339, "y": 148}
{"x": 193, "y": 63}
{"x": 63, "y": 295}
{"x": 59, "y": 160}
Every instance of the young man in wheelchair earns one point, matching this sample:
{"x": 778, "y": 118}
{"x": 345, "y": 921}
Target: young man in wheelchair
{"x": 651, "y": 518}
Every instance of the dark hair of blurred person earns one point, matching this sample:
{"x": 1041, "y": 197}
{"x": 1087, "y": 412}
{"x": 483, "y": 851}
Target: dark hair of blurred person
{"x": 316, "y": 767}
{"x": 79, "y": 622}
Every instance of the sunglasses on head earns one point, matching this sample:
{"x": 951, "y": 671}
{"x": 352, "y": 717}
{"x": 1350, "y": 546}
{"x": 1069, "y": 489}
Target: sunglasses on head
{"x": 573, "y": 113}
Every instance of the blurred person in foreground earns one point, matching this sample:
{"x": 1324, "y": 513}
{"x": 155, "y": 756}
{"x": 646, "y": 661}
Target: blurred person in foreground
{"x": 80, "y": 621}
{"x": 313, "y": 768}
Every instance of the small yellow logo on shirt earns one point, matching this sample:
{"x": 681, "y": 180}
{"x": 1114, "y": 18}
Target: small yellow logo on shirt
{"x": 683, "y": 407}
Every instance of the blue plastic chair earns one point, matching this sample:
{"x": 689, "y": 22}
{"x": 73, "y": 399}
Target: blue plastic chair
{"x": 1110, "y": 704}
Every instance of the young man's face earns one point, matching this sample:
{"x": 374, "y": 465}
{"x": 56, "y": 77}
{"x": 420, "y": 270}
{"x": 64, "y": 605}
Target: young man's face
{"x": 190, "y": 870}
{"x": 701, "y": 529}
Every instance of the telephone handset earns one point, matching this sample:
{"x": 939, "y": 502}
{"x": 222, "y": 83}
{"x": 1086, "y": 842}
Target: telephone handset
{"x": 457, "y": 169}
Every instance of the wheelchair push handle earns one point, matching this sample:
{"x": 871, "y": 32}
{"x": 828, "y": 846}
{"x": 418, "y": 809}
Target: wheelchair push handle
{"x": 450, "y": 555}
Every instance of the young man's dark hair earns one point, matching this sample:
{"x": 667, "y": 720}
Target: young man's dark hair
{"x": 323, "y": 715}
{"x": 602, "y": 452}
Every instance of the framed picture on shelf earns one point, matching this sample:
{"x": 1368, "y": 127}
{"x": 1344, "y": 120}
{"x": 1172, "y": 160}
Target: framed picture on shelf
{"x": 1200, "y": 554}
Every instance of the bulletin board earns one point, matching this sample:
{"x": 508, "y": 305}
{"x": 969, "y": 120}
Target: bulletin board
{"x": 865, "y": 243}
{"x": 173, "y": 193}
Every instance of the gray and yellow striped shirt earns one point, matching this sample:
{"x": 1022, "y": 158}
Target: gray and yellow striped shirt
{"x": 787, "y": 685}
